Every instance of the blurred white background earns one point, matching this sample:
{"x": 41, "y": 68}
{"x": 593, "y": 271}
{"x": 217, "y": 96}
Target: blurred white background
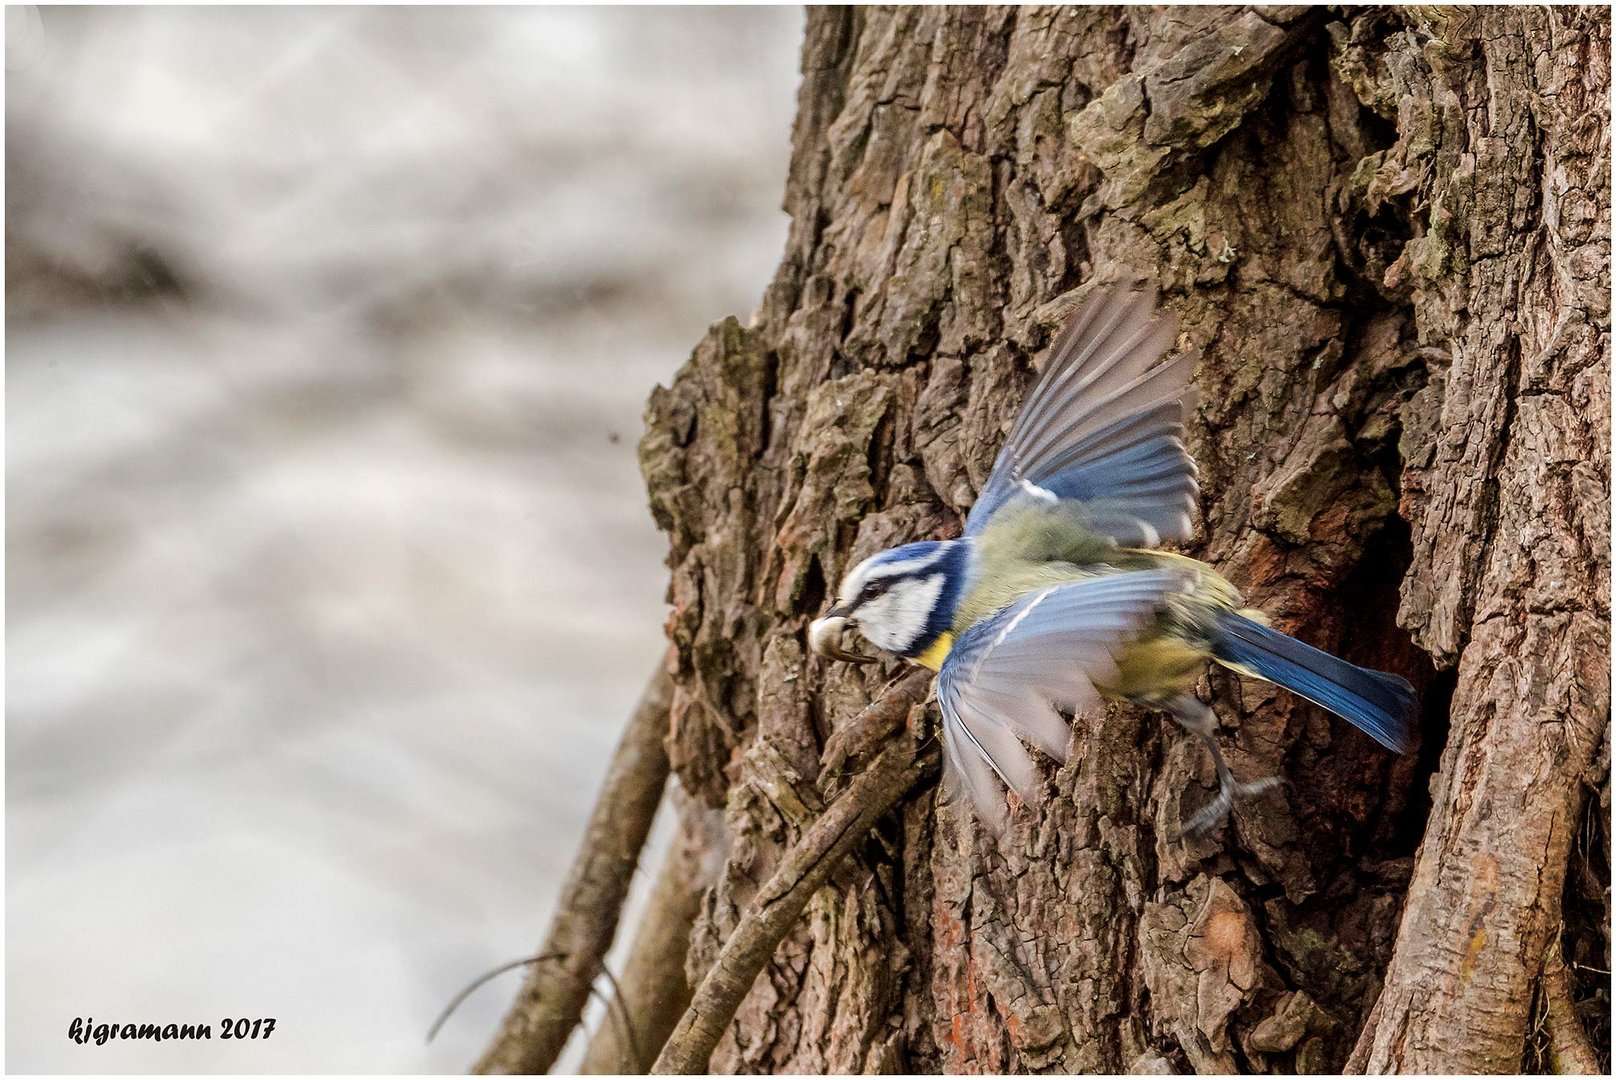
{"x": 331, "y": 581}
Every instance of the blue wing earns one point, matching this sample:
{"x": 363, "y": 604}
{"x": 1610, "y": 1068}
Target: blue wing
{"x": 1010, "y": 677}
{"x": 1103, "y": 428}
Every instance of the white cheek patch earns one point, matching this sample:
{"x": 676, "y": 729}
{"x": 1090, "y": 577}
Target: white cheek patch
{"x": 895, "y": 620}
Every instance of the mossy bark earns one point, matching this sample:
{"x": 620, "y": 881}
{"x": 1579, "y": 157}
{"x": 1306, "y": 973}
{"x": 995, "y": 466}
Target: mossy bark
{"x": 1388, "y": 232}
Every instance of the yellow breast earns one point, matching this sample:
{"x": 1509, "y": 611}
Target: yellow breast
{"x": 934, "y": 656}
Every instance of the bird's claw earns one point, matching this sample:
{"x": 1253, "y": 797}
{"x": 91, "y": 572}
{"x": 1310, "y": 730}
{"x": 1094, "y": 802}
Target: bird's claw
{"x": 1214, "y": 812}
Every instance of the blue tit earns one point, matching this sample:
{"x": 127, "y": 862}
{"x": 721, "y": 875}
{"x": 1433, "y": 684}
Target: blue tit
{"x": 1054, "y": 598}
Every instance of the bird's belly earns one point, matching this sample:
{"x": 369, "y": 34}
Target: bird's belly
{"x": 1156, "y": 667}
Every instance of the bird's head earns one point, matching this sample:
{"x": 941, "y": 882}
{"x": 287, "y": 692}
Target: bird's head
{"x": 901, "y": 600}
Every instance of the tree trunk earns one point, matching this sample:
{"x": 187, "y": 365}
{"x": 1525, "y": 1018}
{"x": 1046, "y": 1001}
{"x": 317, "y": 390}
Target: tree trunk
{"x": 1388, "y": 231}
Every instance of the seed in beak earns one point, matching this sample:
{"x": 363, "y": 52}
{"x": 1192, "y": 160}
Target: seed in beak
{"x": 825, "y": 638}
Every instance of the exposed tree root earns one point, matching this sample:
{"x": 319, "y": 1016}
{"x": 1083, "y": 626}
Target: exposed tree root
{"x": 557, "y": 988}
{"x": 777, "y": 905}
{"x": 1569, "y": 1051}
{"x": 654, "y": 990}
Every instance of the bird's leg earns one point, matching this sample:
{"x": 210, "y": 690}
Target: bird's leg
{"x": 1196, "y": 716}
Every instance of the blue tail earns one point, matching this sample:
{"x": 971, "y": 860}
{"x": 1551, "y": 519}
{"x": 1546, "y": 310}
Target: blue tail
{"x": 1379, "y": 703}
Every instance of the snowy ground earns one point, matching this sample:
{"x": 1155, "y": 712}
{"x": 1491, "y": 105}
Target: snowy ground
{"x": 330, "y": 576}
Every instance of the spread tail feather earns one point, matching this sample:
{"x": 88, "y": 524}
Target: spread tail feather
{"x": 1377, "y": 702}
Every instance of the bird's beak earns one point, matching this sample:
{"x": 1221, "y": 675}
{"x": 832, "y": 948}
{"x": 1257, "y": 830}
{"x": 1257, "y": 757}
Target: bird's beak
{"x": 825, "y": 638}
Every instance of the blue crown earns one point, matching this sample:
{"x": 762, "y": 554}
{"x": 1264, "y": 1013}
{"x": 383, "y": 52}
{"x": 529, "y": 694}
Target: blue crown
{"x": 920, "y": 549}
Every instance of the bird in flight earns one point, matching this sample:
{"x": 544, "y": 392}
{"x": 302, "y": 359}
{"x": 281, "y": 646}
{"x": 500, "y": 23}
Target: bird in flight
{"x": 1056, "y": 596}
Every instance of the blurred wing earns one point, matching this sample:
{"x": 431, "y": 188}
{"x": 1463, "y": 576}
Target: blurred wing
{"x": 1104, "y": 426}
{"x": 1011, "y": 676}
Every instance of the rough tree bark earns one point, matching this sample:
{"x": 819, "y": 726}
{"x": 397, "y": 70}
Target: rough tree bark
{"x": 1388, "y": 231}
